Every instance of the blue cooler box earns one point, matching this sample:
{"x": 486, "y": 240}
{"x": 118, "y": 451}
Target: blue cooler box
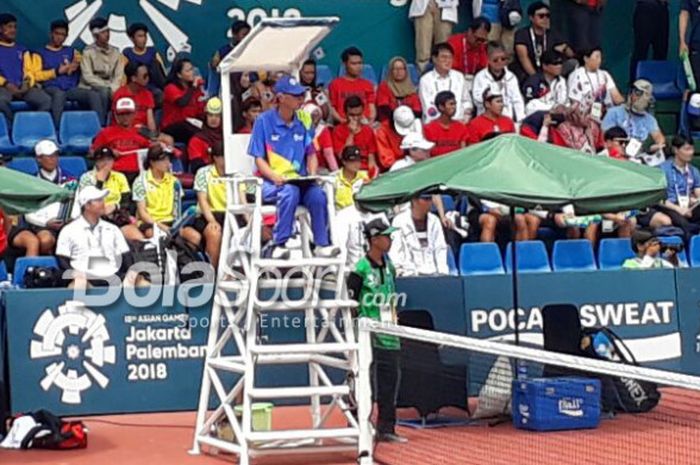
{"x": 554, "y": 404}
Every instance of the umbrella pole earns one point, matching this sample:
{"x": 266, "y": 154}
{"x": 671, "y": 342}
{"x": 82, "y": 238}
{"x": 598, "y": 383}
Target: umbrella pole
{"x": 514, "y": 275}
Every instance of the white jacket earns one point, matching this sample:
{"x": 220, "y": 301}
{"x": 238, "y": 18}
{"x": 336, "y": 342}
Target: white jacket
{"x": 432, "y": 83}
{"x": 349, "y": 234}
{"x": 449, "y": 13}
{"x": 409, "y": 257}
{"x": 514, "y": 104}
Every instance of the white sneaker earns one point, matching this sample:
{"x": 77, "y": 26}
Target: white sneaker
{"x": 328, "y": 251}
{"x": 280, "y": 252}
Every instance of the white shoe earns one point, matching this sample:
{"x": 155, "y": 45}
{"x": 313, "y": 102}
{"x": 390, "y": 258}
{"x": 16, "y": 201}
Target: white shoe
{"x": 280, "y": 252}
{"x": 328, "y": 251}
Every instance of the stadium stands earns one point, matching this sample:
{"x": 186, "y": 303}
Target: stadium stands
{"x": 74, "y": 165}
{"x": 573, "y": 255}
{"x": 77, "y": 129}
{"x": 30, "y": 127}
{"x": 412, "y": 72}
{"x": 613, "y": 252}
{"x": 480, "y": 259}
{"x": 531, "y": 258}
{"x": 25, "y": 165}
{"x": 6, "y": 145}
{"x": 24, "y": 263}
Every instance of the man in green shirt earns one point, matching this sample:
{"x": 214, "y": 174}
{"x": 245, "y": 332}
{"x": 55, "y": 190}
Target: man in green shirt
{"x": 373, "y": 285}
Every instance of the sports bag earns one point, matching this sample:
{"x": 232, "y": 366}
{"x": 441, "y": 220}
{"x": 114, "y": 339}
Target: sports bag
{"x": 620, "y": 394}
{"x": 51, "y": 432}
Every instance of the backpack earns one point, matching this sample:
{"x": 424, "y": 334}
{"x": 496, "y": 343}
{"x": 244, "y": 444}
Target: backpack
{"x": 42, "y": 277}
{"x": 53, "y": 433}
{"x": 620, "y": 394}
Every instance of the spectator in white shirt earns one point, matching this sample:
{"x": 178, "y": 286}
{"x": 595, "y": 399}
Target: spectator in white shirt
{"x": 443, "y": 77}
{"x": 95, "y": 250}
{"x": 592, "y": 88}
{"x": 498, "y": 78}
{"x": 416, "y": 148}
{"x": 419, "y": 246}
{"x": 433, "y": 21}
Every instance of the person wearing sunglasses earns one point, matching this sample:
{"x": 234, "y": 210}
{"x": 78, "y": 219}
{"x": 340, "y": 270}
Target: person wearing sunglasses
{"x": 136, "y": 88}
{"x": 532, "y": 42}
{"x": 498, "y": 78}
{"x": 633, "y": 116}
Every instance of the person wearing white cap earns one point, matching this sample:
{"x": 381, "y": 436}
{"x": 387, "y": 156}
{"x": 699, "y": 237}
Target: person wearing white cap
{"x": 391, "y": 133}
{"x": 101, "y": 66}
{"x": 416, "y": 149}
{"x": 45, "y": 223}
{"x": 493, "y": 121}
{"x": 94, "y": 249}
{"x": 123, "y": 138}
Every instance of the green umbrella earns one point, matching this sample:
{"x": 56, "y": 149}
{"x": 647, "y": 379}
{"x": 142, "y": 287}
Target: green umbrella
{"x": 21, "y": 193}
{"x": 521, "y": 172}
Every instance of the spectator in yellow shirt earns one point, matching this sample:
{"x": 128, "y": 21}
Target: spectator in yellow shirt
{"x": 350, "y": 178}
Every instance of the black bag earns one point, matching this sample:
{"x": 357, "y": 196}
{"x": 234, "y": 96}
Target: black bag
{"x": 620, "y": 394}
{"x": 54, "y": 433}
{"x": 42, "y": 277}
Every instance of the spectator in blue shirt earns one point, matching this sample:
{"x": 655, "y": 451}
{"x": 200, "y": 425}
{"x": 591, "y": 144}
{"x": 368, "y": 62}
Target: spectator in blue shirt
{"x": 60, "y": 74}
{"x": 683, "y": 186}
{"x": 283, "y": 150}
{"x": 634, "y": 118}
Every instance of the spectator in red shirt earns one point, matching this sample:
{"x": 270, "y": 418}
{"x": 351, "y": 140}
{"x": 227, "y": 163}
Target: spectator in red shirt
{"x": 352, "y": 84}
{"x": 492, "y": 120}
{"x": 616, "y": 139}
{"x": 357, "y": 133}
{"x": 136, "y": 88}
{"x": 183, "y": 101}
{"x": 397, "y": 89}
{"x": 542, "y": 125}
{"x": 123, "y": 138}
{"x": 390, "y": 134}
{"x": 470, "y": 47}
{"x": 250, "y": 110}
{"x": 323, "y": 140}
{"x": 199, "y": 147}
{"x": 4, "y": 227}
{"x": 579, "y": 132}
{"x": 447, "y": 134}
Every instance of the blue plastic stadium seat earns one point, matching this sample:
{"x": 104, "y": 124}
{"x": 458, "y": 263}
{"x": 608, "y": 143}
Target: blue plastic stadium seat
{"x": 324, "y": 75}
{"x": 213, "y": 83}
{"x": 532, "y": 257}
{"x": 613, "y": 252}
{"x": 77, "y": 129}
{"x": 367, "y": 72}
{"x": 176, "y": 165}
{"x": 412, "y": 72}
{"x": 23, "y": 263}
{"x": 695, "y": 251}
{"x": 30, "y": 127}
{"x": 190, "y": 194}
{"x": 25, "y": 165}
{"x": 3, "y": 271}
{"x": 663, "y": 75}
{"x": 573, "y": 255}
{"x": 6, "y": 145}
{"x": 480, "y": 258}
{"x": 676, "y": 240}
{"x": 19, "y": 105}
{"x": 451, "y": 262}
{"x": 76, "y": 166}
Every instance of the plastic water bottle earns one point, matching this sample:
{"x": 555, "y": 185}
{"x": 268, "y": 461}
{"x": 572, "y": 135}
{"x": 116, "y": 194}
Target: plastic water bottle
{"x": 522, "y": 369}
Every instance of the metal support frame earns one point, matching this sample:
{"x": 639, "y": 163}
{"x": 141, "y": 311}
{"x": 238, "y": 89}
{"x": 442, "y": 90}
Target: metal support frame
{"x": 235, "y": 348}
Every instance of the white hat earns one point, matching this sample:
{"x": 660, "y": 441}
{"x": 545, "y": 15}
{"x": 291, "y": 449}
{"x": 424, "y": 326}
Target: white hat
{"x": 125, "y": 105}
{"x": 45, "y": 147}
{"x": 415, "y": 140}
{"x": 694, "y": 101}
{"x": 405, "y": 121}
{"x": 90, "y": 193}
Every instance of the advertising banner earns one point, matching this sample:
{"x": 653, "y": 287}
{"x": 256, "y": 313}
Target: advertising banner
{"x": 688, "y": 284}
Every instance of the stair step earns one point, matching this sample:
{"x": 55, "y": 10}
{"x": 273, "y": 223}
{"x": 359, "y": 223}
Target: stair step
{"x": 320, "y": 348}
{"x": 302, "y": 391}
{"x": 326, "y": 433}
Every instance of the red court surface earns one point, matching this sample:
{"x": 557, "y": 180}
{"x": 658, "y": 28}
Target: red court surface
{"x": 670, "y": 435}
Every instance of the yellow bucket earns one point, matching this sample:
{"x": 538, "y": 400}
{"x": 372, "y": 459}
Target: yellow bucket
{"x": 261, "y": 413}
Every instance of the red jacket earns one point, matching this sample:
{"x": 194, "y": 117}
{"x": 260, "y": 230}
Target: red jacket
{"x": 386, "y": 99}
